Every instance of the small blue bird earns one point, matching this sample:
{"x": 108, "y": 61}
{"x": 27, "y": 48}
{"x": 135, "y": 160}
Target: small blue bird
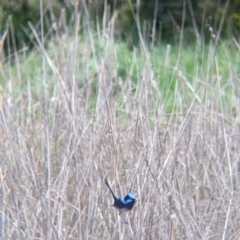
{"x": 122, "y": 204}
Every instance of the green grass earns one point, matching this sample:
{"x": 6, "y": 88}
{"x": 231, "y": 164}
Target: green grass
{"x": 170, "y": 71}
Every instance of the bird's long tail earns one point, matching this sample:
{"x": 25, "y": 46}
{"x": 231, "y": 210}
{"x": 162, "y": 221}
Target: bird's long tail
{"x": 110, "y": 189}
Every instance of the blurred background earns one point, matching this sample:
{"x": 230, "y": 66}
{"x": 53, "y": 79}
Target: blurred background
{"x": 159, "y": 20}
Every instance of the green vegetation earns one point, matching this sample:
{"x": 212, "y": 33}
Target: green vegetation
{"x": 159, "y": 20}
{"x": 168, "y": 71}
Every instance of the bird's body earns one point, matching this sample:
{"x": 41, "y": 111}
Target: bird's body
{"x": 122, "y": 204}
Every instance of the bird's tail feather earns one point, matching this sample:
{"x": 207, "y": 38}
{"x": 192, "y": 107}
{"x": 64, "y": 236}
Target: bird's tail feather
{"x": 106, "y": 182}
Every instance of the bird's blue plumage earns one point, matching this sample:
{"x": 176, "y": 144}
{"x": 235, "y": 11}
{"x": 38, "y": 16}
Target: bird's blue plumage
{"x": 125, "y": 203}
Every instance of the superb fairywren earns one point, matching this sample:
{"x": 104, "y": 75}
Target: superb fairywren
{"x": 122, "y": 204}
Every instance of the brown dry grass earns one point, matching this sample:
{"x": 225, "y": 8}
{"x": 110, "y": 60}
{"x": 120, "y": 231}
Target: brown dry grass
{"x": 61, "y": 139}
